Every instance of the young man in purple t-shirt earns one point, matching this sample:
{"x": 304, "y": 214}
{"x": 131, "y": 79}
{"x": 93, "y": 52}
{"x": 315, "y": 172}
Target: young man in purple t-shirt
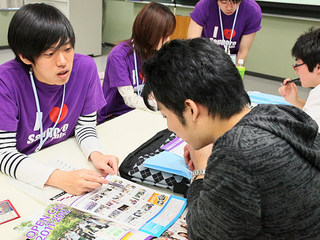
{"x": 48, "y": 93}
{"x": 239, "y": 20}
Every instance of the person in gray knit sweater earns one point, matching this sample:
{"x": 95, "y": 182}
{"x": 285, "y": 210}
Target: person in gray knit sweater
{"x": 262, "y": 178}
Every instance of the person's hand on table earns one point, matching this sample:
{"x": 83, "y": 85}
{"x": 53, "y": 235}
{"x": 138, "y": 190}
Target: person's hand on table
{"x": 76, "y": 182}
{"x": 106, "y": 164}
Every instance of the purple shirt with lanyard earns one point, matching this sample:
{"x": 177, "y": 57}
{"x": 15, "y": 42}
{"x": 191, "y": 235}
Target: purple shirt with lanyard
{"x": 120, "y": 71}
{"x": 83, "y": 96}
{"x": 244, "y": 21}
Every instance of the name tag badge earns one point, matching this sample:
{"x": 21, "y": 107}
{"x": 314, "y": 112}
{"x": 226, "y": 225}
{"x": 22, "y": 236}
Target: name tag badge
{"x": 38, "y": 121}
{"x": 138, "y": 88}
{"x": 133, "y": 77}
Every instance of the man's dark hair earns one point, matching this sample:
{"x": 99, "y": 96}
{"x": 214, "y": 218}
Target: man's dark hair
{"x": 195, "y": 69}
{"x": 35, "y": 28}
{"x": 307, "y": 48}
{"x": 232, "y": 1}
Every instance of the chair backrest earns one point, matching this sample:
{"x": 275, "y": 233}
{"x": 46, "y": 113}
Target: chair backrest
{"x": 182, "y": 25}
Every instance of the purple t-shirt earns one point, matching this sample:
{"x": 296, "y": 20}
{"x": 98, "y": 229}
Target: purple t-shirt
{"x": 18, "y": 107}
{"x": 206, "y": 14}
{"x": 119, "y": 72}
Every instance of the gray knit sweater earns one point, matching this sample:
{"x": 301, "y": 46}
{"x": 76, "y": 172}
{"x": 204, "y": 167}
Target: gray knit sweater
{"x": 262, "y": 180}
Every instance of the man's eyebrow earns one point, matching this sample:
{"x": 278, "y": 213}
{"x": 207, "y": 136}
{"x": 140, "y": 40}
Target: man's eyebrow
{"x": 55, "y": 47}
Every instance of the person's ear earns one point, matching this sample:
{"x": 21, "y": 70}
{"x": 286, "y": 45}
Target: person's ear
{"x": 316, "y": 70}
{"x": 25, "y": 60}
{"x": 192, "y": 109}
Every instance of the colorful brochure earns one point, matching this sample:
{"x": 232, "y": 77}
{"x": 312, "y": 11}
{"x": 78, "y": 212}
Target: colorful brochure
{"x": 57, "y": 221}
{"x": 129, "y": 204}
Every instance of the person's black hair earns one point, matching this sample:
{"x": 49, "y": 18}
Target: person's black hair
{"x": 233, "y": 1}
{"x": 307, "y": 48}
{"x": 34, "y": 28}
{"x": 195, "y": 69}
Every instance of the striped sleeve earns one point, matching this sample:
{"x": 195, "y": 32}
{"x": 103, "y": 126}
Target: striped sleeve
{"x": 20, "y": 166}
{"x": 10, "y": 157}
{"x": 86, "y": 134}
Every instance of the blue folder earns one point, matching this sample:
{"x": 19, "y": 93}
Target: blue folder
{"x": 264, "y": 98}
{"x": 169, "y": 162}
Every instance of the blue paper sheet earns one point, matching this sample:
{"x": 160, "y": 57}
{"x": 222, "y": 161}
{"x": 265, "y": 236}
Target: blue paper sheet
{"x": 169, "y": 162}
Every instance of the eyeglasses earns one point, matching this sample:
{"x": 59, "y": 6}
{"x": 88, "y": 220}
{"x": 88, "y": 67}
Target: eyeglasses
{"x": 297, "y": 65}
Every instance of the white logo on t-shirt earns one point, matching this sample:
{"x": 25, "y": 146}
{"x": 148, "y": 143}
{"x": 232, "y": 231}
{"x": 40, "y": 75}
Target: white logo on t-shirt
{"x": 57, "y": 134}
{"x": 221, "y": 42}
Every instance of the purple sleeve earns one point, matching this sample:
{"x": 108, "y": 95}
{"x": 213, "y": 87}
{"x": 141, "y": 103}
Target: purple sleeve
{"x": 94, "y": 99}
{"x": 199, "y": 13}
{"x": 118, "y": 70}
{"x": 253, "y": 23}
{"x": 8, "y": 110}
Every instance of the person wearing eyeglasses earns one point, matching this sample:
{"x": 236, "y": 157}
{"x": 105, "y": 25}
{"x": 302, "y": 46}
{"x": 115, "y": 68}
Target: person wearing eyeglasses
{"x": 306, "y": 50}
{"x": 238, "y": 20}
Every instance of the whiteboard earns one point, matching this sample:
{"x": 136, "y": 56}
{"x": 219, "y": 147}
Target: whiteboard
{"x": 303, "y": 2}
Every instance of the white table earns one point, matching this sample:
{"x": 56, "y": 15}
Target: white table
{"x": 119, "y": 137}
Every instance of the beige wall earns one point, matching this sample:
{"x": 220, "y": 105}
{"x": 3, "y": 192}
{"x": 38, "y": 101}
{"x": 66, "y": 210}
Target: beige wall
{"x": 119, "y": 18}
{"x": 5, "y": 17}
{"x": 270, "y": 52}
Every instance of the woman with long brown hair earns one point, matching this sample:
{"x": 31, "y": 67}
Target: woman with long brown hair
{"x": 123, "y": 81}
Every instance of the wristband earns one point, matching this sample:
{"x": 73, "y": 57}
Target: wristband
{"x": 196, "y": 173}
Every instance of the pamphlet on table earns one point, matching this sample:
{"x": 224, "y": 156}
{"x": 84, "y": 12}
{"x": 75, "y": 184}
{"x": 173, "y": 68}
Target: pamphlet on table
{"x": 58, "y": 221}
{"x": 121, "y": 201}
{"x": 128, "y": 204}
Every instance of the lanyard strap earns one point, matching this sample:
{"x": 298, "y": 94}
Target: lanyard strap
{"x": 227, "y": 46}
{"x": 136, "y": 70}
{"x": 39, "y": 113}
